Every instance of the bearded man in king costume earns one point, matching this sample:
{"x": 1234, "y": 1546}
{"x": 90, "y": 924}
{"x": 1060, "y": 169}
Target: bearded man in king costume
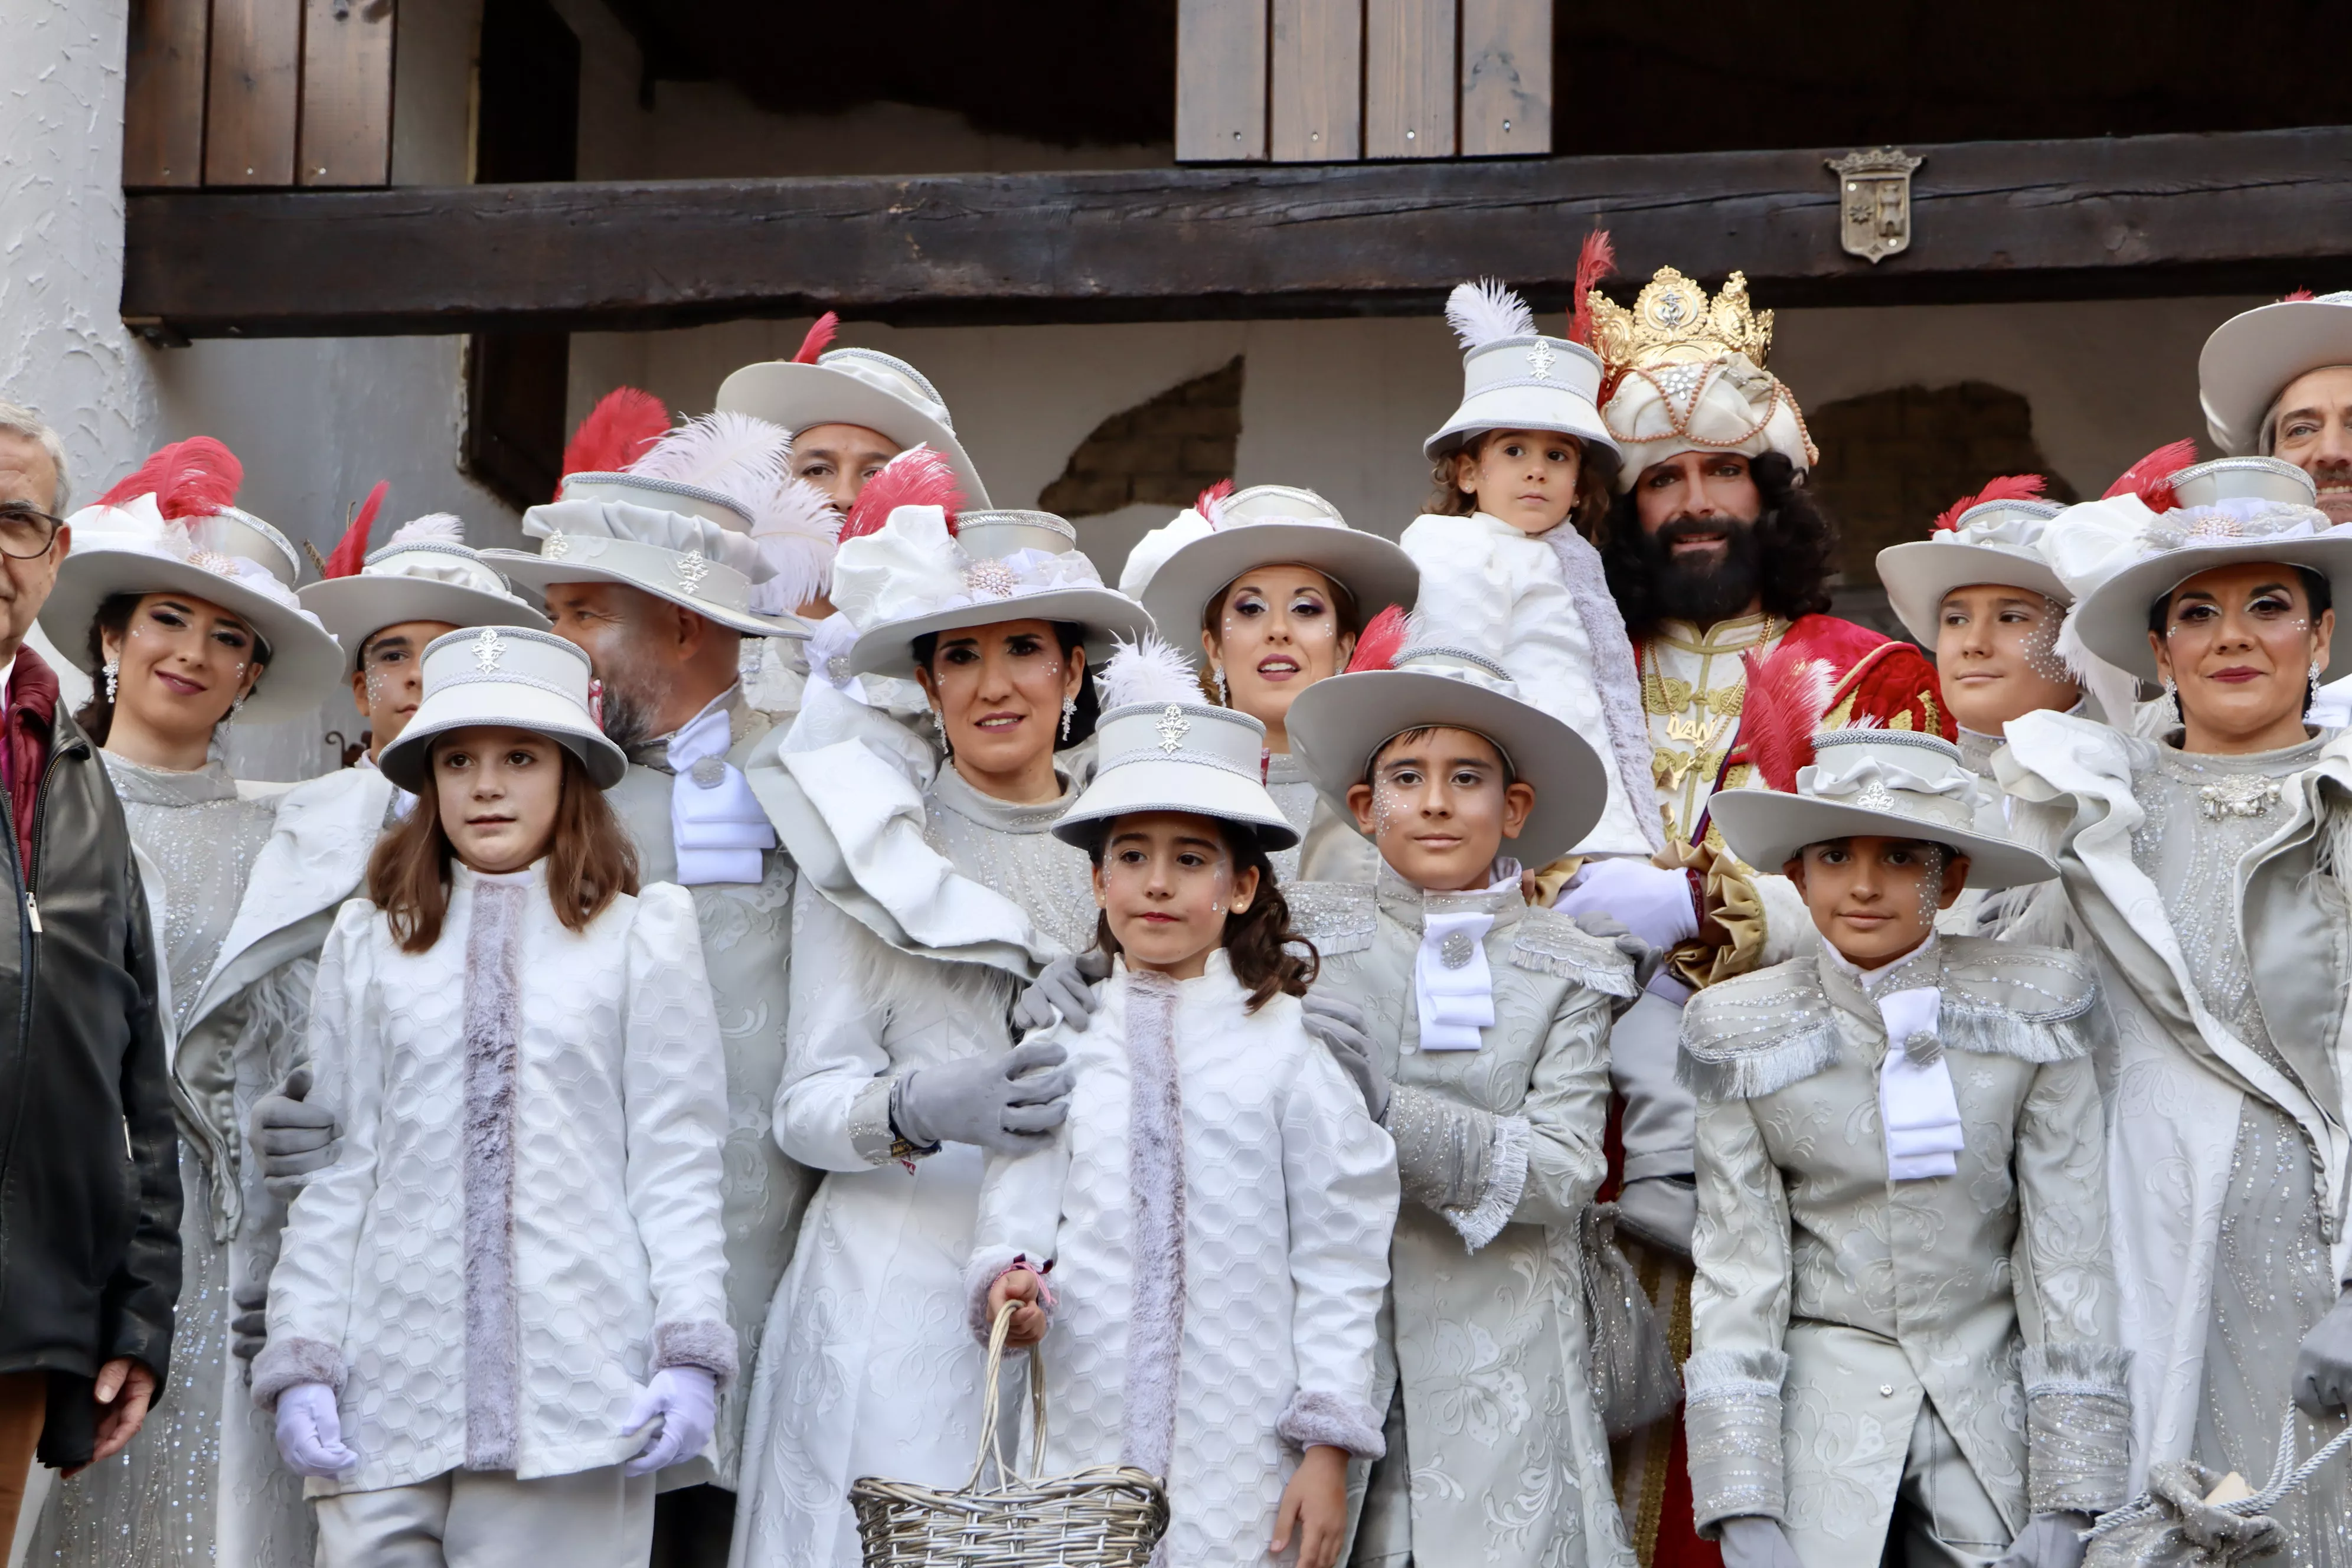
{"x": 1720, "y": 560}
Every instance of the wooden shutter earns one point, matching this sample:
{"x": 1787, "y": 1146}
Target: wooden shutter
{"x": 1317, "y": 113}
{"x": 1220, "y": 47}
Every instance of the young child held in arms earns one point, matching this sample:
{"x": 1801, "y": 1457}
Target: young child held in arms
{"x": 1213, "y": 1217}
{"x": 1483, "y": 1047}
{"x": 1902, "y": 1322}
{"x": 501, "y": 1309}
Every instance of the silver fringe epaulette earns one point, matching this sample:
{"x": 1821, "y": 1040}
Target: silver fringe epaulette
{"x": 1338, "y": 918}
{"x": 2003, "y": 998}
{"x": 1757, "y": 1033}
{"x": 1549, "y": 942}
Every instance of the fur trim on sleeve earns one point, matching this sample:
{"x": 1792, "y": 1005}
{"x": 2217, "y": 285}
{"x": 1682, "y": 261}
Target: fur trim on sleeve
{"x": 1329, "y": 1420}
{"x": 291, "y": 1363}
{"x": 703, "y": 1343}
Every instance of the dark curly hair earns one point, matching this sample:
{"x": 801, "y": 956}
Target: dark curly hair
{"x": 1793, "y": 548}
{"x": 1267, "y": 956}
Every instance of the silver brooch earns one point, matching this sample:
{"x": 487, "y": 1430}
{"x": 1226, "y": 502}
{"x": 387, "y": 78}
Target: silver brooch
{"x": 1680, "y": 382}
{"x": 991, "y": 579}
{"x": 1539, "y": 360}
{"x": 554, "y": 547}
{"x": 1924, "y": 1049}
{"x": 707, "y": 770}
{"x": 1876, "y": 796}
{"x": 489, "y": 648}
{"x": 1456, "y": 950}
{"x": 1173, "y": 727}
{"x": 2245, "y": 797}
{"x": 692, "y": 568}
{"x": 213, "y": 562}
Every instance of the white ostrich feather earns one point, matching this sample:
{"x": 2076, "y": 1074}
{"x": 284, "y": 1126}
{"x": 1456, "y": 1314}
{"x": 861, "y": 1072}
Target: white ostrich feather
{"x": 1485, "y": 312}
{"x": 740, "y": 456}
{"x": 1147, "y": 670}
{"x": 432, "y": 528}
{"x": 795, "y": 531}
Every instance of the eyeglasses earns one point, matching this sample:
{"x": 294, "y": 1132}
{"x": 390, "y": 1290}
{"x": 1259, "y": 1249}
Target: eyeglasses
{"x": 25, "y": 530}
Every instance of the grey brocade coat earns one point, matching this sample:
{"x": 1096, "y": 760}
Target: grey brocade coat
{"x": 1501, "y": 1458}
{"x": 1829, "y": 1302}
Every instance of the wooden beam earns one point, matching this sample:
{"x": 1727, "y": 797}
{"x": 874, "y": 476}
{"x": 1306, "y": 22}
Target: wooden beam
{"x": 1317, "y": 112}
{"x": 2257, "y": 210}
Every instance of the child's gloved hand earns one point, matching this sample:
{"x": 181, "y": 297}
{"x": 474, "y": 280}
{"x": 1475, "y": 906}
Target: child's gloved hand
{"x": 2048, "y": 1541}
{"x": 1752, "y": 1540}
{"x": 1339, "y": 1025}
{"x": 1065, "y": 990}
{"x": 295, "y": 1137}
{"x": 1008, "y": 1104}
{"x": 682, "y": 1404}
{"x": 2323, "y": 1369}
{"x": 1654, "y": 903}
{"x": 310, "y": 1432}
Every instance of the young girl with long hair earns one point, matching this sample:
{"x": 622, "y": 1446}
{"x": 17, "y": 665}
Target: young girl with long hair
{"x": 501, "y": 1309}
{"x": 1215, "y": 1213}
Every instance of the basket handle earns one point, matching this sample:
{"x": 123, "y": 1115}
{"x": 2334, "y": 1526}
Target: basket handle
{"x": 991, "y": 1382}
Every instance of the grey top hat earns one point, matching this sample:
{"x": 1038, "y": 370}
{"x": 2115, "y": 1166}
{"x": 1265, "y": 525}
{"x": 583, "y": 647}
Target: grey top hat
{"x": 504, "y": 678}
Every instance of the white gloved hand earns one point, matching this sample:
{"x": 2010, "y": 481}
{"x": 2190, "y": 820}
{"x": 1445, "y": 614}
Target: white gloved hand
{"x": 2323, "y": 1368}
{"x": 1339, "y": 1025}
{"x": 310, "y": 1432}
{"x": 2048, "y": 1541}
{"x": 1654, "y": 903}
{"x": 1008, "y": 1104}
{"x": 1752, "y": 1540}
{"x": 1661, "y": 1210}
{"x": 1644, "y": 956}
{"x": 1065, "y": 990}
{"x": 295, "y": 1137}
{"x": 684, "y": 1402}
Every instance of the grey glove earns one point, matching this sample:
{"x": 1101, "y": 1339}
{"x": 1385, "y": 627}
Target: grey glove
{"x": 2323, "y": 1371}
{"x": 2049, "y": 1541}
{"x": 295, "y": 1138}
{"x": 249, "y": 1330}
{"x": 1339, "y": 1025}
{"x": 1646, "y": 956}
{"x": 1661, "y": 1211}
{"x": 1752, "y": 1540}
{"x": 1064, "y": 990}
{"x": 1008, "y": 1104}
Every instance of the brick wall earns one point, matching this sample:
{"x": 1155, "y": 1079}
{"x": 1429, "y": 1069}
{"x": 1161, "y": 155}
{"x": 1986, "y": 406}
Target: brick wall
{"x": 1162, "y": 452}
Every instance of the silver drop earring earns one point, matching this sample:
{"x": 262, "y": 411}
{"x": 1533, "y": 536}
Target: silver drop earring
{"x": 1223, "y": 701}
{"x": 939, "y": 723}
{"x": 2172, "y": 696}
{"x": 1069, "y": 717}
{"x": 239, "y": 706}
{"x": 2313, "y": 674}
{"x": 113, "y": 676}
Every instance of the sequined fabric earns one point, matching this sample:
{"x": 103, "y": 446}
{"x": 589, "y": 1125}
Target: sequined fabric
{"x": 1007, "y": 848}
{"x": 1293, "y": 793}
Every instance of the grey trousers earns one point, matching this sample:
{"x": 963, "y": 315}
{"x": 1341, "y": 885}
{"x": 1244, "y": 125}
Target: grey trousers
{"x": 486, "y": 1519}
{"x": 1943, "y": 1516}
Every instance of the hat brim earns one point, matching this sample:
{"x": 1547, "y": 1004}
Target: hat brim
{"x": 1375, "y": 572}
{"x": 355, "y": 608}
{"x": 889, "y": 648}
{"x": 494, "y": 705}
{"x": 1523, "y": 408}
{"x": 1919, "y": 573}
{"x": 1768, "y": 829}
{"x": 1200, "y": 790}
{"x": 305, "y": 667}
{"x": 798, "y": 396}
{"x": 2252, "y": 357}
{"x": 1336, "y": 725}
{"x": 2112, "y": 618}
{"x": 538, "y": 574}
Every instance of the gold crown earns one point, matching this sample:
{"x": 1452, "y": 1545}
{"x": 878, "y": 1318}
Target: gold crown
{"x": 1673, "y": 320}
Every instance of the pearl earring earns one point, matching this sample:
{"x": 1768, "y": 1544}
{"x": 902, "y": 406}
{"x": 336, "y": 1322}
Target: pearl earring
{"x": 1224, "y": 700}
{"x": 1069, "y": 717}
{"x": 113, "y": 675}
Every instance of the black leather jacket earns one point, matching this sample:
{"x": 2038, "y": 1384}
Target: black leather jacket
{"x": 89, "y": 1178}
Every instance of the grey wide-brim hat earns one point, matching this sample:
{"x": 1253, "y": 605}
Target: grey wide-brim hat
{"x": 1337, "y": 725}
{"x": 306, "y": 666}
{"x": 1889, "y": 783}
{"x": 419, "y": 581}
{"x": 1988, "y": 545}
{"x": 1268, "y": 525}
{"x": 1178, "y": 756}
{"x": 2255, "y": 355}
{"x": 855, "y": 386}
{"x": 503, "y": 678}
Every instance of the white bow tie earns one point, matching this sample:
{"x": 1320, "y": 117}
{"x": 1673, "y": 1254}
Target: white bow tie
{"x": 716, "y": 827}
{"x": 1917, "y": 1102}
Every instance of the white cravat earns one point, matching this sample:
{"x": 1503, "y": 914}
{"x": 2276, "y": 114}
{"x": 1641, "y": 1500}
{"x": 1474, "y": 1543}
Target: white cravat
{"x": 717, "y": 828}
{"x": 1453, "y": 986}
{"x": 1916, "y": 1103}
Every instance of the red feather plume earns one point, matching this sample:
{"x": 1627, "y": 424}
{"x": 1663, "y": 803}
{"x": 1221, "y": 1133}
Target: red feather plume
{"x": 1212, "y": 499}
{"x": 351, "y": 551}
{"x": 2146, "y": 477}
{"x": 2008, "y": 487}
{"x": 1382, "y": 641}
{"x": 819, "y": 339}
{"x": 616, "y": 433}
{"x": 916, "y": 477}
{"x": 1782, "y": 708}
{"x": 195, "y": 477}
{"x": 1595, "y": 263}
{"x": 2299, "y": 294}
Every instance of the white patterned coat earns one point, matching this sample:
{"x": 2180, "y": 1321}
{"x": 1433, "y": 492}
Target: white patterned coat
{"x": 1499, "y": 1151}
{"x": 611, "y": 1160}
{"x": 1829, "y": 1302}
{"x": 1218, "y": 1209}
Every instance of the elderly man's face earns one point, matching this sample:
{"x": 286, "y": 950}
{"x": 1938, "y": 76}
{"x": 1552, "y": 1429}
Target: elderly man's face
{"x": 2315, "y": 432}
{"x": 27, "y": 478}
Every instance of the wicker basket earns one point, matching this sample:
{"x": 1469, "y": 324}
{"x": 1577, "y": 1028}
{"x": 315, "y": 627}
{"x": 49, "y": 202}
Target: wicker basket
{"x": 1110, "y": 1516}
